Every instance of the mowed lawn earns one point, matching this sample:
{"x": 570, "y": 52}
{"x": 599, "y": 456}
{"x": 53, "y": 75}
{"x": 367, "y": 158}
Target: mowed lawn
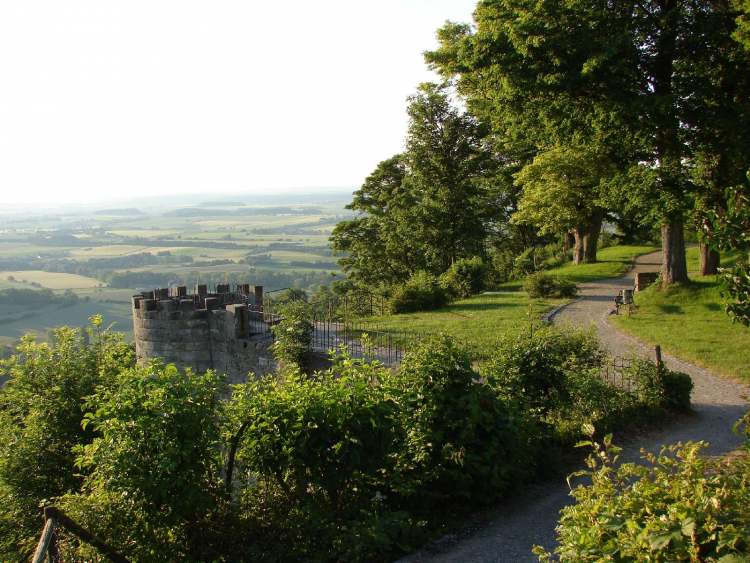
{"x": 612, "y": 262}
{"x": 690, "y": 322}
{"x": 477, "y": 322}
{"x": 480, "y": 321}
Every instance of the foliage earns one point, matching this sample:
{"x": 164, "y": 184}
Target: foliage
{"x": 730, "y": 230}
{"x": 293, "y": 334}
{"x": 320, "y": 446}
{"x": 421, "y": 292}
{"x": 465, "y": 277}
{"x": 657, "y": 387}
{"x": 543, "y": 284}
{"x": 463, "y": 443}
{"x": 679, "y": 506}
{"x": 532, "y": 367}
{"x": 562, "y": 189}
{"x": 428, "y": 207}
{"x": 657, "y": 87}
{"x": 41, "y": 410}
{"x": 155, "y": 457}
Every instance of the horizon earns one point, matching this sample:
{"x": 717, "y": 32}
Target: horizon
{"x": 109, "y": 102}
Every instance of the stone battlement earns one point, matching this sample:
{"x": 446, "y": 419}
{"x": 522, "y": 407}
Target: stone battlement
{"x": 204, "y": 329}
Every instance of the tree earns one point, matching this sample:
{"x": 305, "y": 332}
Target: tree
{"x": 618, "y": 74}
{"x": 560, "y": 194}
{"x": 717, "y": 122}
{"x": 376, "y": 246}
{"x": 427, "y": 207}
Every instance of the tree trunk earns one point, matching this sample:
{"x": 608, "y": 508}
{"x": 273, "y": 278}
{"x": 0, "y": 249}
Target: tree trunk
{"x": 668, "y": 147}
{"x": 710, "y": 260}
{"x": 674, "y": 264}
{"x": 587, "y": 241}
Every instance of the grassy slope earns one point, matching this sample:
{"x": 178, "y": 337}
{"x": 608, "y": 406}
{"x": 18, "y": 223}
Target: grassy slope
{"x": 690, "y": 323}
{"x": 479, "y": 321}
{"x": 613, "y": 262}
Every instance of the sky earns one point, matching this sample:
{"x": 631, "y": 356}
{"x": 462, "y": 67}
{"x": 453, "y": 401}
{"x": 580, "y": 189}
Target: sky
{"x": 108, "y": 100}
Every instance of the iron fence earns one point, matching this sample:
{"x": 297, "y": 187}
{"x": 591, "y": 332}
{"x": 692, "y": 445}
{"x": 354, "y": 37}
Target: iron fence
{"x": 359, "y": 339}
{"x": 615, "y": 372}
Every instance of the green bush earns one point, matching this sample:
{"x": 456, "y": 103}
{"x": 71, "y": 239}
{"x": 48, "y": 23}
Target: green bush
{"x": 677, "y": 389}
{"x": 314, "y": 459}
{"x": 293, "y": 334}
{"x": 533, "y": 367}
{"x": 421, "y": 292}
{"x": 41, "y": 410}
{"x": 463, "y": 442}
{"x": 155, "y": 460}
{"x": 465, "y": 277}
{"x": 679, "y": 506}
{"x": 541, "y": 284}
{"x": 659, "y": 388}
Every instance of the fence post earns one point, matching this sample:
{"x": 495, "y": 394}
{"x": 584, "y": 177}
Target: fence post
{"x": 657, "y": 352}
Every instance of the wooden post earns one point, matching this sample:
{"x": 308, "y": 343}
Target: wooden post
{"x": 40, "y": 555}
{"x": 657, "y": 351}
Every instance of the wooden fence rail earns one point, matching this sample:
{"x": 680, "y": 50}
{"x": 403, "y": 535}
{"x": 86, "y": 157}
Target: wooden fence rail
{"x": 55, "y": 519}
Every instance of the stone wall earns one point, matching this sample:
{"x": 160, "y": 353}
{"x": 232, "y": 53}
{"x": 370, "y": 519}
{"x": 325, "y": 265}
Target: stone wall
{"x": 201, "y": 331}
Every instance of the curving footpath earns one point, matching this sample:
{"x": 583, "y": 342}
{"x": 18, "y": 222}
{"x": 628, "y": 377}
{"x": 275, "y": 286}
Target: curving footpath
{"x": 515, "y": 527}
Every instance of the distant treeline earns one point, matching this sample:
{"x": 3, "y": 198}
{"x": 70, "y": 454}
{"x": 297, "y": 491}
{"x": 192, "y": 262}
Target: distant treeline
{"x": 95, "y": 267}
{"x": 36, "y": 298}
{"x": 244, "y": 211}
{"x": 267, "y": 278}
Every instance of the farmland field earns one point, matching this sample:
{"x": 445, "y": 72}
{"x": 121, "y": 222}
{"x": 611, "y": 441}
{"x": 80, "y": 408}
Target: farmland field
{"x": 105, "y": 256}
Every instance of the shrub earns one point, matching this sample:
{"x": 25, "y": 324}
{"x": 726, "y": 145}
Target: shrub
{"x": 659, "y": 388}
{"x": 293, "y": 334}
{"x": 465, "y": 277}
{"x": 533, "y": 367}
{"x": 421, "y": 292}
{"x": 41, "y": 409}
{"x": 680, "y": 506}
{"x": 155, "y": 459}
{"x": 463, "y": 442}
{"x": 315, "y": 453}
{"x": 677, "y": 389}
{"x": 541, "y": 284}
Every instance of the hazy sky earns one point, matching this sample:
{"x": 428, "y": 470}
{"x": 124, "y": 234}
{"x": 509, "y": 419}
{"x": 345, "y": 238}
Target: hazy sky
{"x": 104, "y": 99}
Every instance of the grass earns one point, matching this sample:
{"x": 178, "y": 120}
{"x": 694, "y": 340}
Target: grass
{"x": 480, "y": 321}
{"x": 689, "y": 322}
{"x": 613, "y": 261}
{"x": 477, "y": 322}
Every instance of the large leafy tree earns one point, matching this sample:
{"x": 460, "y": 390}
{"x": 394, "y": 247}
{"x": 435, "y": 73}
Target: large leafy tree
{"x": 616, "y": 74}
{"x": 562, "y": 194}
{"x": 716, "y": 122}
{"x": 427, "y": 207}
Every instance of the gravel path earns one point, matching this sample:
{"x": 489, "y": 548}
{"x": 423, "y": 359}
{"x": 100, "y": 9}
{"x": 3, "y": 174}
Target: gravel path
{"x": 515, "y": 527}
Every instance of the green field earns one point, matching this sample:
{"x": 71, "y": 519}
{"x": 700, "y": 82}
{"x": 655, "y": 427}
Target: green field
{"x": 287, "y": 240}
{"x": 690, "y": 322}
{"x": 51, "y": 280}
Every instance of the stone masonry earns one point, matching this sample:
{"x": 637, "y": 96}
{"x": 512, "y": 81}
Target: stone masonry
{"x": 221, "y": 330}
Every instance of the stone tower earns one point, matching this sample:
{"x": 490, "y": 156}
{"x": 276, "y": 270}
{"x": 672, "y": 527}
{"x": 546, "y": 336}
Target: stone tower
{"x": 222, "y": 330}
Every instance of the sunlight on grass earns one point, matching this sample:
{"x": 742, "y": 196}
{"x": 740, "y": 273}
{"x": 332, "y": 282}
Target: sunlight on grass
{"x": 478, "y": 322}
{"x": 689, "y": 322}
{"x": 612, "y": 262}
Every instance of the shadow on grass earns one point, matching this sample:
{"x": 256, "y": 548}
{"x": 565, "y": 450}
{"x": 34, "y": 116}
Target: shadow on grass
{"x": 671, "y": 309}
